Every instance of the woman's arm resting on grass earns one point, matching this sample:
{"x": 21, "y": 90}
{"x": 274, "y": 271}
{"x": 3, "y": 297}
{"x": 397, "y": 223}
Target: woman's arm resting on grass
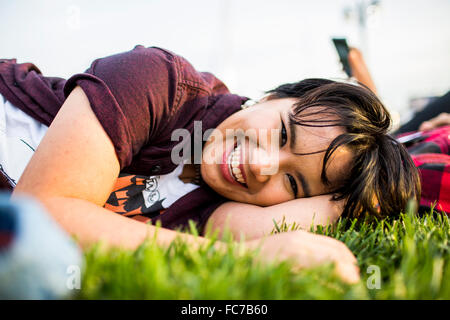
{"x": 253, "y": 221}
{"x": 304, "y": 248}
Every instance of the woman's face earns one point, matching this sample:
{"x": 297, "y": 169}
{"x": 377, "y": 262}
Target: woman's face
{"x": 262, "y": 168}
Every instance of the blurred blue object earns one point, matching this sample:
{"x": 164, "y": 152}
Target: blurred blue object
{"x": 38, "y": 260}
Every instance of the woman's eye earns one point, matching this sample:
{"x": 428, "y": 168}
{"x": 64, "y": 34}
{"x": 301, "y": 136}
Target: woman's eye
{"x": 293, "y": 184}
{"x": 283, "y": 134}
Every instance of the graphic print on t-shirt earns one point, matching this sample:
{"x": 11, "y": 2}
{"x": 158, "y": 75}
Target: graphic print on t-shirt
{"x": 134, "y": 195}
{"x": 145, "y": 197}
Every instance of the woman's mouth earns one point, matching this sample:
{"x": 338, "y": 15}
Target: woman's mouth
{"x": 232, "y": 166}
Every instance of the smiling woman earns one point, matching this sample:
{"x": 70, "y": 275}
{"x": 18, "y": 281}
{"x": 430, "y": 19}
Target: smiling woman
{"x": 336, "y": 144}
{"x": 317, "y": 149}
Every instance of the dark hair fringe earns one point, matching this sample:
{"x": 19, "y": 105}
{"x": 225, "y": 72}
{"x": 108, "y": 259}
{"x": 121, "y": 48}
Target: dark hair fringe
{"x": 382, "y": 169}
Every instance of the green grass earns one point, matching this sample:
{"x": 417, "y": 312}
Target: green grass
{"x": 411, "y": 252}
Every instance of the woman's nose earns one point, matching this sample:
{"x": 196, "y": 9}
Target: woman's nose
{"x": 263, "y": 164}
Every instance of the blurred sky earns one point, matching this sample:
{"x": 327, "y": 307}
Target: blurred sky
{"x": 252, "y": 45}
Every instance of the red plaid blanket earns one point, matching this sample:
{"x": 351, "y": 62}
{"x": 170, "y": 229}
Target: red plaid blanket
{"x": 430, "y": 153}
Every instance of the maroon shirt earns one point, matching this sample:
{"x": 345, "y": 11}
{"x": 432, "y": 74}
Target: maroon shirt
{"x": 139, "y": 97}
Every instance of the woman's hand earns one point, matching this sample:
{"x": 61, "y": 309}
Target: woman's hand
{"x": 307, "y": 250}
{"x": 441, "y": 120}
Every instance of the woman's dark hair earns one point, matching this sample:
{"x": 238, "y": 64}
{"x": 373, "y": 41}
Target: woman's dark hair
{"x": 382, "y": 170}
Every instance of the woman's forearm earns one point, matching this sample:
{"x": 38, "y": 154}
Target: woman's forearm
{"x": 251, "y": 222}
{"x": 91, "y": 224}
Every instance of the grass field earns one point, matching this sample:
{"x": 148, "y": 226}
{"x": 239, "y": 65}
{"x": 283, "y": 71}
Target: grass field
{"x": 405, "y": 258}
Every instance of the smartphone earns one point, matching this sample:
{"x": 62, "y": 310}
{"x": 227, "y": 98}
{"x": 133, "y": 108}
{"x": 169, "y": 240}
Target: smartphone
{"x": 343, "y": 50}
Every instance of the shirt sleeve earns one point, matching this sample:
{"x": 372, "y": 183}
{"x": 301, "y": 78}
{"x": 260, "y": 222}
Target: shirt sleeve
{"x": 135, "y": 94}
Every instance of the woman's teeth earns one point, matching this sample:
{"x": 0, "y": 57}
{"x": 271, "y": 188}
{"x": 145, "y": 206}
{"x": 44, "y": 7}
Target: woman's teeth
{"x": 234, "y": 161}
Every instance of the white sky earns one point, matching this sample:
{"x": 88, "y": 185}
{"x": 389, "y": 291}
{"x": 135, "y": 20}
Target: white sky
{"x": 252, "y": 45}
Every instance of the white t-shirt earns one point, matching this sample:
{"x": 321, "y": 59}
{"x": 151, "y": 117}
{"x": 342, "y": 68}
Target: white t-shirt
{"x": 20, "y": 135}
